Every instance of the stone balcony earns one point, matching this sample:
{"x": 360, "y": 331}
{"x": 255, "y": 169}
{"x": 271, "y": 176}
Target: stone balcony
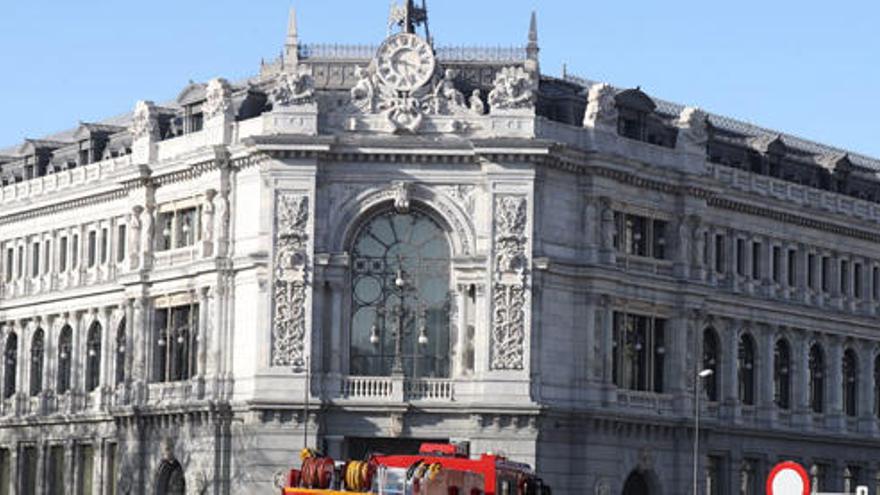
{"x": 396, "y": 389}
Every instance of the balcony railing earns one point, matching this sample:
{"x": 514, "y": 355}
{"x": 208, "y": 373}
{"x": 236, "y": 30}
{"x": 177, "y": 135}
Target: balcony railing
{"x": 389, "y": 388}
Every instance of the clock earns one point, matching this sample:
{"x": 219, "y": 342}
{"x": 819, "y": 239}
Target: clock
{"x": 405, "y": 62}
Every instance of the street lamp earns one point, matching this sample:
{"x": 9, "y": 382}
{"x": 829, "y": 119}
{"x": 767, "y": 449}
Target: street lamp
{"x": 401, "y": 313}
{"x": 702, "y": 375}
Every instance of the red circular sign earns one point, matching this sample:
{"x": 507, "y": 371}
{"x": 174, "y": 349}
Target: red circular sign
{"x": 788, "y": 478}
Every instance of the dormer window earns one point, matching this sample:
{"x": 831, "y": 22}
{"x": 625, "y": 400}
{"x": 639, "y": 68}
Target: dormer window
{"x": 193, "y": 118}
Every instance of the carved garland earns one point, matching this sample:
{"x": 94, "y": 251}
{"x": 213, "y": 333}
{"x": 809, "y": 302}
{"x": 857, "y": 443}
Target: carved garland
{"x": 507, "y": 349}
{"x": 291, "y": 277}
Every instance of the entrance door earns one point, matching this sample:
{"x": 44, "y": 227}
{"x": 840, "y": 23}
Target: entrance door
{"x": 171, "y": 480}
{"x": 636, "y": 484}
{"x": 359, "y": 448}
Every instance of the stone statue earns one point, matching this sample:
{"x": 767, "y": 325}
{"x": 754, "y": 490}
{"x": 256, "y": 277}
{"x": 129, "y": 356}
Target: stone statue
{"x": 218, "y": 98}
{"x": 601, "y": 108}
{"x": 364, "y": 91}
{"x": 293, "y": 89}
{"x": 514, "y": 88}
{"x": 693, "y": 130}
{"x": 446, "y": 98}
{"x": 477, "y": 105}
{"x": 145, "y": 122}
{"x": 608, "y": 227}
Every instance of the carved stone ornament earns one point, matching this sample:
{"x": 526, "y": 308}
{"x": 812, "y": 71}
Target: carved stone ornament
{"x": 477, "y": 106}
{"x": 145, "y": 122}
{"x": 395, "y": 425}
{"x": 293, "y": 89}
{"x": 507, "y": 351}
{"x": 693, "y": 129}
{"x": 601, "y": 108}
{"x": 514, "y": 88}
{"x": 218, "y": 98}
{"x": 510, "y": 240}
{"x": 401, "y": 191}
{"x": 406, "y": 99}
{"x": 290, "y": 271}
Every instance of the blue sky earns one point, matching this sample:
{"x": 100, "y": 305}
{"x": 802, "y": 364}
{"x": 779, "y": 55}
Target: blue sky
{"x": 810, "y": 68}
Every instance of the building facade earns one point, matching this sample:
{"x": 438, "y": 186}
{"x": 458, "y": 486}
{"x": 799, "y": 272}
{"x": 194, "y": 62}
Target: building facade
{"x": 360, "y": 248}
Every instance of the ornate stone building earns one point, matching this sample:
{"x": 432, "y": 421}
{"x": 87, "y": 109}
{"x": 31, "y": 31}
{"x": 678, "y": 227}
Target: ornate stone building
{"x": 364, "y": 247}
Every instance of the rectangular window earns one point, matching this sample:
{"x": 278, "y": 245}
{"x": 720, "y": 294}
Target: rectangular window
{"x": 740, "y": 257}
{"x": 175, "y": 343}
{"x": 120, "y": 243}
{"x": 28, "y": 470}
{"x": 777, "y": 263}
{"x": 93, "y": 248}
{"x": 56, "y": 469}
{"x": 875, "y": 283}
{"x": 720, "y": 261}
{"x": 844, "y": 277}
{"x": 635, "y": 235}
{"x": 35, "y": 260}
{"x": 62, "y": 255}
{"x": 165, "y": 223}
{"x": 74, "y": 258}
{"x": 639, "y": 350}
{"x": 826, "y": 274}
{"x": 110, "y": 474}
{"x": 10, "y": 263}
{"x": 47, "y": 256}
{"x": 86, "y": 469}
{"x": 811, "y": 271}
{"x": 5, "y": 471}
{"x": 20, "y": 261}
{"x": 858, "y": 288}
{"x": 658, "y": 234}
{"x": 105, "y": 246}
{"x": 757, "y": 267}
{"x": 186, "y": 228}
{"x": 792, "y": 267}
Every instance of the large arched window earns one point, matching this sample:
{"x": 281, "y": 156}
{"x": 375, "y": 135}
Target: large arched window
{"x": 400, "y": 296}
{"x": 93, "y": 357}
{"x": 119, "y": 366}
{"x": 710, "y": 361}
{"x": 745, "y": 369}
{"x": 817, "y": 378}
{"x": 36, "y": 385}
{"x": 782, "y": 374}
{"x": 65, "y": 347}
{"x": 850, "y": 382}
{"x": 10, "y": 356}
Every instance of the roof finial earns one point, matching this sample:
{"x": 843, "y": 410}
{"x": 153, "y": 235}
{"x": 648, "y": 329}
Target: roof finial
{"x": 408, "y": 17}
{"x": 532, "y": 47}
{"x": 291, "y": 45}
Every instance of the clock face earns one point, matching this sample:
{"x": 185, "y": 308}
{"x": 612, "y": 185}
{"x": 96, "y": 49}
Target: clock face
{"x": 405, "y": 62}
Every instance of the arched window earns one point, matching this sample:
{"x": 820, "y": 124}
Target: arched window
{"x": 65, "y": 347}
{"x": 120, "y": 353}
{"x": 171, "y": 479}
{"x": 745, "y": 369}
{"x": 10, "y": 356}
{"x": 710, "y": 361}
{"x": 93, "y": 357}
{"x": 400, "y": 296}
{"x": 817, "y": 378}
{"x": 850, "y": 382}
{"x": 36, "y": 385}
{"x": 782, "y": 374}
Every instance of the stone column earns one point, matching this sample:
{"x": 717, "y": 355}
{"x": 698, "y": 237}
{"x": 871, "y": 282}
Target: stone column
{"x": 748, "y": 251}
{"x": 104, "y": 380}
{"x": 800, "y": 379}
{"x": 140, "y": 332}
{"x": 592, "y": 339}
{"x": 834, "y": 384}
{"x": 337, "y": 290}
{"x": 865, "y": 393}
{"x": 710, "y": 268}
{"x": 765, "y": 374}
{"x": 607, "y": 311}
{"x": 729, "y": 337}
{"x": 460, "y": 366}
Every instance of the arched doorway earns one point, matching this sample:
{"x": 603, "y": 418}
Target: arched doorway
{"x": 170, "y": 481}
{"x": 636, "y": 484}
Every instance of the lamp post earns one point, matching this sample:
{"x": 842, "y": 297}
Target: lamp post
{"x": 400, "y": 311}
{"x": 703, "y": 374}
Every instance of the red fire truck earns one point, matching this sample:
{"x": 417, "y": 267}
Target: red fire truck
{"x": 437, "y": 469}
